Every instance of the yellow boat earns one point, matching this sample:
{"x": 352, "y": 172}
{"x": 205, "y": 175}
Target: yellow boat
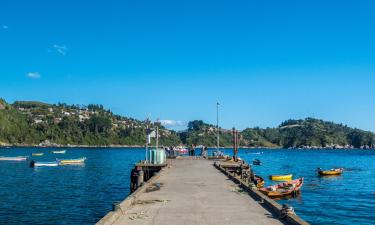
{"x": 37, "y": 154}
{"x": 281, "y": 177}
{"x": 72, "y": 161}
{"x": 259, "y": 181}
{"x": 332, "y": 172}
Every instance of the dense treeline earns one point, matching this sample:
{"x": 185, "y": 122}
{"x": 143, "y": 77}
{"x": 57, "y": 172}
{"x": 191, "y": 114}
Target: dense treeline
{"x": 291, "y": 133}
{"x": 32, "y": 123}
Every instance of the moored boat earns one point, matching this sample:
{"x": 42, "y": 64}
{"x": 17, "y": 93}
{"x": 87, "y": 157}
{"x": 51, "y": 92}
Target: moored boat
{"x": 18, "y": 158}
{"x": 39, "y": 164}
{"x": 59, "y": 152}
{"x": 289, "y": 188}
{"x": 38, "y": 154}
{"x": 259, "y": 181}
{"x": 332, "y": 172}
{"x": 257, "y": 162}
{"x": 71, "y": 161}
{"x": 181, "y": 150}
{"x": 281, "y": 177}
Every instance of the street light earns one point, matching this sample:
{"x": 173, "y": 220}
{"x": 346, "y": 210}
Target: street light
{"x": 217, "y": 126}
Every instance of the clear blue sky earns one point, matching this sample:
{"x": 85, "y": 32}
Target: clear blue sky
{"x": 265, "y": 61}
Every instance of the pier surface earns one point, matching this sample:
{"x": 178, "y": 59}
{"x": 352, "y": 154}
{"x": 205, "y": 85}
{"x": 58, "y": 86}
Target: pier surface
{"x": 193, "y": 192}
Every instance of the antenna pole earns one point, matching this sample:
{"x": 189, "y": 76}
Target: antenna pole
{"x": 217, "y": 126}
{"x": 157, "y": 136}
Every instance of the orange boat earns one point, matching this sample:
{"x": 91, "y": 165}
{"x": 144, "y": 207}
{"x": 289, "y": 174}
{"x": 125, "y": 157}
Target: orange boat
{"x": 289, "y": 188}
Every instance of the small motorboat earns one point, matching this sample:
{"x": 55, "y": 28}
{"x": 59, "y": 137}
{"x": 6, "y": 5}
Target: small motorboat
{"x": 259, "y": 181}
{"x": 38, "y": 164}
{"x": 59, "y": 152}
{"x": 71, "y": 161}
{"x": 281, "y": 177}
{"x": 332, "y": 172}
{"x": 38, "y": 154}
{"x": 289, "y": 188}
{"x": 18, "y": 158}
{"x": 181, "y": 150}
{"x": 257, "y": 162}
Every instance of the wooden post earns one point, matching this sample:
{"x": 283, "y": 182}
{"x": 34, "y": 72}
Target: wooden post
{"x": 235, "y": 143}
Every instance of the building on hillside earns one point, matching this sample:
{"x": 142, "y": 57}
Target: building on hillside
{"x": 36, "y": 121}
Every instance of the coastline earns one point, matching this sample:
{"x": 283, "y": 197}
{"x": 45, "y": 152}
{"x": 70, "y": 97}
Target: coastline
{"x": 69, "y": 146}
{"x": 4, "y": 145}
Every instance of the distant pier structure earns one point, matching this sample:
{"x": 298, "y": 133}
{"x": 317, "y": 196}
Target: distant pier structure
{"x": 195, "y": 190}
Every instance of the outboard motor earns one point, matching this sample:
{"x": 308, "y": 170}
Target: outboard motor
{"x": 32, "y": 163}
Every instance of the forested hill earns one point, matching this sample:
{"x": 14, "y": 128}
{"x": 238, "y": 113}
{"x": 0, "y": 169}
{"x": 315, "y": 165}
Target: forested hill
{"x": 35, "y": 123}
{"x": 291, "y": 133}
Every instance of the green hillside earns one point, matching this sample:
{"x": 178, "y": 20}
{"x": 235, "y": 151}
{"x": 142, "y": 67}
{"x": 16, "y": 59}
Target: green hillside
{"x": 291, "y": 133}
{"x": 32, "y": 123}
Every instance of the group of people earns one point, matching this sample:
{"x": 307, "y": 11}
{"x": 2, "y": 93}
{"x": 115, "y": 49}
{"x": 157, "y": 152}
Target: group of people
{"x": 192, "y": 150}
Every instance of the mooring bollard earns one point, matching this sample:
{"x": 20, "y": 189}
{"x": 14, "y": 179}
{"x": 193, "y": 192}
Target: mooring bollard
{"x": 115, "y": 206}
{"x": 140, "y": 178}
{"x": 286, "y": 210}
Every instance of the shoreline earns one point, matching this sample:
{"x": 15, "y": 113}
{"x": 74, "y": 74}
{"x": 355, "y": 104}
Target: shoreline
{"x": 140, "y": 146}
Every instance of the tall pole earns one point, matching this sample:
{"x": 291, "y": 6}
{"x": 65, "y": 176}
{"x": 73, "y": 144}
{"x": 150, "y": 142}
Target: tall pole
{"x": 147, "y": 138}
{"x": 217, "y": 126}
{"x": 234, "y": 142}
{"x": 157, "y": 137}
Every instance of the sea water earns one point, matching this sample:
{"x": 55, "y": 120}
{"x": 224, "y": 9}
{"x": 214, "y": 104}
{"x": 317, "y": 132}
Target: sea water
{"x": 84, "y": 194}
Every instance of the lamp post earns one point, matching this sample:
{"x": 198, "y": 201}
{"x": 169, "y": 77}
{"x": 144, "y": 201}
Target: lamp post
{"x": 217, "y": 126}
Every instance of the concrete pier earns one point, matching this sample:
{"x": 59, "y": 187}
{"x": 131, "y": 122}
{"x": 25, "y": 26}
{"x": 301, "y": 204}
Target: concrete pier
{"x": 189, "y": 192}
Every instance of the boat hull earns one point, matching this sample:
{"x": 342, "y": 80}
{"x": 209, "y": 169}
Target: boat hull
{"x": 72, "y": 161}
{"x": 290, "y": 188}
{"x": 46, "y": 164}
{"x": 58, "y": 152}
{"x": 259, "y": 181}
{"x": 257, "y": 163}
{"x": 330, "y": 173}
{"x": 13, "y": 158}
{"x": 281, "y": 177}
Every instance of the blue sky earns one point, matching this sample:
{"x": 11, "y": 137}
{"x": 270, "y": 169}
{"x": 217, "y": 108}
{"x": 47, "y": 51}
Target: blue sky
{"x": 265, "y": 61}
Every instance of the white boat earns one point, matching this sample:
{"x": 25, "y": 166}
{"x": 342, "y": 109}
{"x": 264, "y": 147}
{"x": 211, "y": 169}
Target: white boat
{"x": 18, "y": 158}
{"x": 59, "y": 152}
{"x": 38, "y": 164}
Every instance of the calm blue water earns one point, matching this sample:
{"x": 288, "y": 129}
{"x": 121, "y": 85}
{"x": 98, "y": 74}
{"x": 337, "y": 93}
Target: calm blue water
{"x": 65, "y": 194}
{"x": 346, "y": 199}
{"x": 84, "y": 194}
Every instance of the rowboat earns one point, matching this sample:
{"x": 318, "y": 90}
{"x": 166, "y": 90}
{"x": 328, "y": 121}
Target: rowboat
{"x": 281, "y": 177}
{"x": 332, "y": 172}
{"x": 257, "y": 162}
{"x": 18, "y": 158}
{"x": 59, "y": 152}
{"x": 38, "y": 164}
{"x": 259, "y": 181}
{"x": 289, "y": 188}
{"x": 37, "y": 154}
{"x": 71, "y": 161}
